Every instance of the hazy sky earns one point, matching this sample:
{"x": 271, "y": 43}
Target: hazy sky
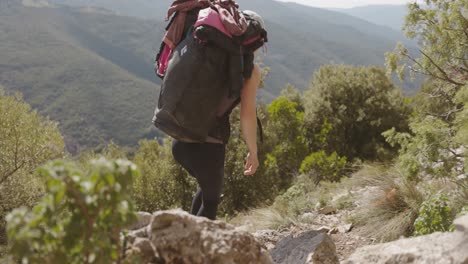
{"x": 347, "y": 3}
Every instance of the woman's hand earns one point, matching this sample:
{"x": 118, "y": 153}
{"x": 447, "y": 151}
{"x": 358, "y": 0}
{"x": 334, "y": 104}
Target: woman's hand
{"x": 251, "y": 165}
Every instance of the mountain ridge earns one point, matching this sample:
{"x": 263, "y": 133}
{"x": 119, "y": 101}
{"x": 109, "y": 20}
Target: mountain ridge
{"x": 392, "y": 16}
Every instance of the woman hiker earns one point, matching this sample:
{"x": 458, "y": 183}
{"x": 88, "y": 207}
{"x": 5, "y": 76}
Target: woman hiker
{"x": 205, "y": 161}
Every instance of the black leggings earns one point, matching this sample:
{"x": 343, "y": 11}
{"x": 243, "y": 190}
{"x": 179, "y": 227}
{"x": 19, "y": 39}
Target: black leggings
{"x": 205, "y": 162}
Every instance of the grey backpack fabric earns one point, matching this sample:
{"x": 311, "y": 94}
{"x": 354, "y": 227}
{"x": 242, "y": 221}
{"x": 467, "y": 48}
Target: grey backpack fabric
{"x": 203, "y": 69}
{"x": 191, "y": 91}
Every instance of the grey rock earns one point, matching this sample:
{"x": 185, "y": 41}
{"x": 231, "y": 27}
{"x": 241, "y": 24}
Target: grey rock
{"x": 268, "y": 238}
{"x": 143, "y": 219}
{"x": 437, "y": 248}
{"x": 309, "y": 247}
{"x": 179, "y": 237}
{"x": 140, "y": 233}
{"x": 345, "y": 228}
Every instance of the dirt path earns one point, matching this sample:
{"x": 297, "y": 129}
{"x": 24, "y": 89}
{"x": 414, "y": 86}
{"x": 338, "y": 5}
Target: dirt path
{"x": 346, "y": 237}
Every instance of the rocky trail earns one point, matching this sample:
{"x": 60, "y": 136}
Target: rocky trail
{"x": 345, "y": 236}
{"x": 178, "y": 237}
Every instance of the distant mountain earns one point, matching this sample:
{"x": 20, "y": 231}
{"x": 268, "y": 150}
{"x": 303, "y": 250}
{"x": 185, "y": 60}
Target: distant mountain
{"x": 302, "y": 38}
{"x": 392, "y": 16}
{"x": 73, "y": 68}
{"x": 148, "y": 9}
{"x": 92, "y": 69}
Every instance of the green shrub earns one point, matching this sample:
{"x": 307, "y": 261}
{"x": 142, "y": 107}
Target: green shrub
{"x": 285, "y": 137}
{"x": 163, "y": 184}
{"x": 80, "y": 218}
{"x": 359, "y": 104}
{"x": 323, "y": 167}
{"x": 294, "y": 201}
{"x": 27, "y": 140}
{"x": 435, "y": 215}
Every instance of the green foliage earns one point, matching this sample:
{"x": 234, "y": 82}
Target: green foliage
{"x": 358, "y": 104}
{"x": 80, "y": 218}
{"x": 440, "y": 28}
{"x": 431, "y": 143}
{"x": 243, "y": 192}
{"x": 27, "y": 140}
{"x": 435, "y": 215}
{"x": 163, "y": 183}
{"x": 438, "y": 138}
{"x": 294, "y": 201}
{"x": 461, "y": 121}
{"x": 285, "y": 133}
{"x": 323, "y": 167}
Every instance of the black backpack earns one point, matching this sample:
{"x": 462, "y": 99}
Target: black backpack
{"x": 205, "y": 67}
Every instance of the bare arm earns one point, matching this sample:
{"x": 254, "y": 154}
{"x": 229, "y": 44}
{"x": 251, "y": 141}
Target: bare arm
{"x": 248, "y": 119}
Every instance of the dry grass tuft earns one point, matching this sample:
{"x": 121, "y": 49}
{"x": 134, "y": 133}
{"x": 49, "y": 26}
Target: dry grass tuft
{"x": 261, "y": 219}
{"x": 390, "y": 214}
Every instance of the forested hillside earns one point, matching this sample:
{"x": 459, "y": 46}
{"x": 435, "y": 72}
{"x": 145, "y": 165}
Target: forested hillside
{"x": 71, "y": 69}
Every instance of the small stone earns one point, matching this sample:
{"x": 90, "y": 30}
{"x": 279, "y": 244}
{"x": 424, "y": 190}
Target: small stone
{"x": 327, "y": 210}
{"x": 345, "y": 228}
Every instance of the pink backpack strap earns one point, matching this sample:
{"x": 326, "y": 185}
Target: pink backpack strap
{"x": 163, "y": 61}
{"x": 210, "y": 17}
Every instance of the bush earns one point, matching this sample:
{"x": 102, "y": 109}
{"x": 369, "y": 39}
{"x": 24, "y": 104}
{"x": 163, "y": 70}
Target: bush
{"x": 80, "y": 218}
{"x": 359, "y": 104}
{"x": 26, "y": 141}
{"x": 285, "y": 134}
{"x": 163, "y": 184}
{"x": 435, "y": 215}
{"x": 323, "y": 167}
{"x": 294, "y": 201}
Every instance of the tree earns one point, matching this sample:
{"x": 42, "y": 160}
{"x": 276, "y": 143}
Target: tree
{"x": 439, "y": 125}
{"x": 356, "y": 105}
{"x": 27, "y": 140}
{"x": 285, "y": 133}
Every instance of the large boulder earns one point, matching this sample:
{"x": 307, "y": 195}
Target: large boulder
{"x": 178, "y": 237}
{"x": 440, "y": 248}
{"x": 311, "y": 247}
